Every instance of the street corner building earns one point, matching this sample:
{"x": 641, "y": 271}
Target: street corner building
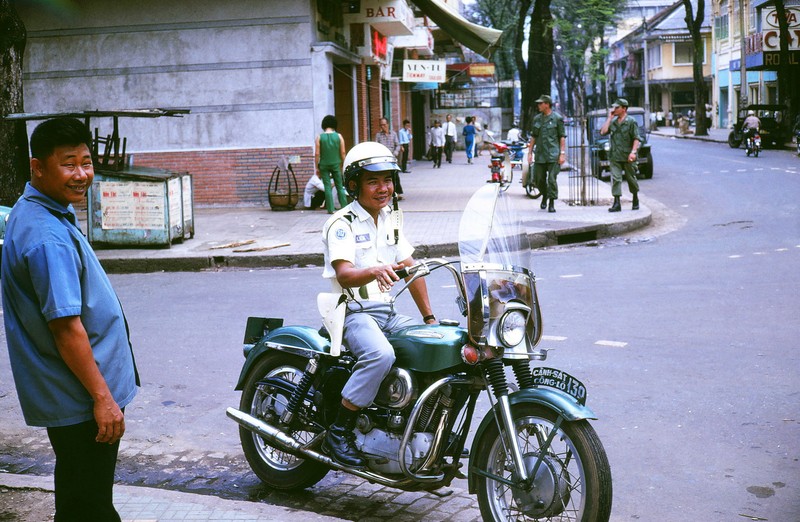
{"x": 256, "y": 77}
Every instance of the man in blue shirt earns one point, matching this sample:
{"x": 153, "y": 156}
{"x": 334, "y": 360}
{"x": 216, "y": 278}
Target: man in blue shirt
{"x": 67, "y": 336}
{"x": 404, "y": 136}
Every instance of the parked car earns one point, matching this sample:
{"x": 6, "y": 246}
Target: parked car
{"x": 599, "y": 145}
{"x": 774, "y": 131}
{"x": 4, "y": 212}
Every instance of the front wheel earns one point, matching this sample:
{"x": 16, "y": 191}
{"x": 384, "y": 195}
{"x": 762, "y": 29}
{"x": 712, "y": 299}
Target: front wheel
{"x": 572, "y": 481}
{"x": 275, "y": 467}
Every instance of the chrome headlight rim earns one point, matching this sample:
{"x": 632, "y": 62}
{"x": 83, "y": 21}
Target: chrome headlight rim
{"x": 511, "y": 328}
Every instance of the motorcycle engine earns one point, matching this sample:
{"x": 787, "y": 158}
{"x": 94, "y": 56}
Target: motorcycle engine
{"x": 397, "y": 390}
{"x": 382, "y": 448}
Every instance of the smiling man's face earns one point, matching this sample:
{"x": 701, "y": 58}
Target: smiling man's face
{"x": 65, "y": 175}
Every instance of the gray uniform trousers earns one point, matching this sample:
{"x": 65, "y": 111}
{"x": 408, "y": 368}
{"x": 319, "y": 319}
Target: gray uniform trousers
{"x": 366, "y": 326}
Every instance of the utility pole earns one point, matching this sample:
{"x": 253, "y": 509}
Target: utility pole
{"x": 743, "y": 87}
{"x": 646, "y": 81}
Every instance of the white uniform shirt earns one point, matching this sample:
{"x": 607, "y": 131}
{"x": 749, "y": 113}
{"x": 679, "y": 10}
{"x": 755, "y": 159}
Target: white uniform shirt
{"x": 312, "y": 187}
{"x": 362, "y": 243}
{"x": 449, "y": 128}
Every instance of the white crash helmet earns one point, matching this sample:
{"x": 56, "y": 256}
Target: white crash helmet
{"x": 751, "y": 113}
{"x": 370, "y": 156}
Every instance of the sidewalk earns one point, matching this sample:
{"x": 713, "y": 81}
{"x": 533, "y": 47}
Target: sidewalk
{"x": 141, "y": 504}
{"x": 433, "y": 201}
{"x": 715, "y": 135}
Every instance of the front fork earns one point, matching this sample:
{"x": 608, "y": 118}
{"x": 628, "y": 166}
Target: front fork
{"x": 495, "y": 374}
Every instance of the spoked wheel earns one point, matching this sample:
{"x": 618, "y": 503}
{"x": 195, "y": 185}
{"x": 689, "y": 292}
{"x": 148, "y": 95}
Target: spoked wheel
{"x": 572, "y": 481}
{"x": 275, "y": 467}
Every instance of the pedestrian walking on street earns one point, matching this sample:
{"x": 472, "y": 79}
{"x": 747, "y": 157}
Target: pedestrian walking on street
{"x": 469, "y": 138}
{"x": 405, "y": 137}
{"x": 624, "y": 143}
{"x": 67, "y": 336}
{"x": 328, "y": 156}
{"x": 449, "y": 138}
{"x": 547, "y": 151}
{"x": 437, "y": 143}
{"x": 388, "y": 138}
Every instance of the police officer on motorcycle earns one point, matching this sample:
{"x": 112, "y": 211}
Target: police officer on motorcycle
{"x": 751, "y": 124}
{"x": 364, "y": 247}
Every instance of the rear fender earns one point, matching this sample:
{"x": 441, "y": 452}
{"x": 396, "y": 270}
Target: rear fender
{"x": 303, "y": 341}
{"x": 561, "y": 403}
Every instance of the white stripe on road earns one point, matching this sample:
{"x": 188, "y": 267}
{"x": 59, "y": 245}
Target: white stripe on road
{"x": 553, "y": 338}
{"x": 569, "y": 276}
{"x": 735, "y": 256}
{"x": 614, "y": 344}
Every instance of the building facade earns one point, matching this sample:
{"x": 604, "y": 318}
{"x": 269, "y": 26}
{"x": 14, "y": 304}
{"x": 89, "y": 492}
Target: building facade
{"x": 257, "y": 76}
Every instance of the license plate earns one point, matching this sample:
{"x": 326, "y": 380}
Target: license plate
{"x": 560, "y": 380}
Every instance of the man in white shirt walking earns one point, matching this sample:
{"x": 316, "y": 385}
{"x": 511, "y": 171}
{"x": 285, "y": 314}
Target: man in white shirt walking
{"x": 449, "y": 138}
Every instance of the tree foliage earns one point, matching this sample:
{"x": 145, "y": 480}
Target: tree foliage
{"x": 694, "y": 21}
{"x": 14, "y": 169}
{"x": 575, "y": 27}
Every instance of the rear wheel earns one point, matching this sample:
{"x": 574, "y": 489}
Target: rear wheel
{"x": 532, "y": 191}
{"x": 275, "y": 467}
{"x": 733, "y": 141}
{"x": 573, "y": 479}
{"x": 647, "y": 168}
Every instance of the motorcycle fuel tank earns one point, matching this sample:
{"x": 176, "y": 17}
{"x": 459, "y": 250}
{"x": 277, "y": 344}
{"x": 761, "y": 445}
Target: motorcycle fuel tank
{"x": 428, "y": 348}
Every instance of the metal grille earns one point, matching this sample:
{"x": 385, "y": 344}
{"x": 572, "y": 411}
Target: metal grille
{"x": 582, "y": 185}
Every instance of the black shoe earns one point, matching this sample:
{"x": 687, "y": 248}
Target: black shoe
{"x": 544, "y": 203}
{"x": 616, "y": 206}
{"x": 551, "y": 208}
{"x": 340, "y": 445}
{"x": 635, "y": 202}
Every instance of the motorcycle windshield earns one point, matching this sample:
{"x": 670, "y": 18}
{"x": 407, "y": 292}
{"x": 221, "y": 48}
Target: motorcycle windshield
{"x": 490, "y": 231}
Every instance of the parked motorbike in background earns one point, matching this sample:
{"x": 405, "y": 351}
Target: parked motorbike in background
{"x": 752, "y": 142}
{"x": 500, "y": 166}
{"x": 533, "y": 455}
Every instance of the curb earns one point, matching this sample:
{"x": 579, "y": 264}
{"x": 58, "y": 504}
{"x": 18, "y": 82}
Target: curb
{"x": 193, "y": 263}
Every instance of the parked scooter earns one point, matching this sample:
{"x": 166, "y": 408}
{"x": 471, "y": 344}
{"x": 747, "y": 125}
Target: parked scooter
{"x": 500, "y": 167}
{"x": 752, "y": 142}
{"x": 534, "y": 454}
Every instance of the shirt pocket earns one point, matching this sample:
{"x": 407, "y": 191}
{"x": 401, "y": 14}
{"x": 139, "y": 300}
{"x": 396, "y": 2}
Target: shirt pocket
{"x": 366, "y": 255}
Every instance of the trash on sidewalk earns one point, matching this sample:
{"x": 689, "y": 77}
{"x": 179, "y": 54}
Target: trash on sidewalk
{"x": 234, "y": 244}
{"x": 261, "y": 249}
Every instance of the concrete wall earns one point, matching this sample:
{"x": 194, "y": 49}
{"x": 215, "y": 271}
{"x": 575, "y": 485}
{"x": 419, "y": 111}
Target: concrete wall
{"x": 242, "y": 67}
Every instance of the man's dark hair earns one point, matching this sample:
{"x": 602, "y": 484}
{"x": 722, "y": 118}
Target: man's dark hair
{"x": 405, "y": 122}
{"x": 329, "y": 122}
{"x": 58, "y": 132}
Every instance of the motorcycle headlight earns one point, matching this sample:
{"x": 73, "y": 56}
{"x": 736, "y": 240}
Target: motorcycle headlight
{"x": 607, "y": 146}
{"x": 511, "y": 329}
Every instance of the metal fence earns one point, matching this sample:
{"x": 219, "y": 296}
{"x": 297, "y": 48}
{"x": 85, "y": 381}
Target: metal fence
{"x": 583, "y": 189}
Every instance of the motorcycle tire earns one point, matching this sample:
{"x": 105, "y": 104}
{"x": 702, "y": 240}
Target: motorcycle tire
{"x": 276, "y": 468}
{"x": 573, "y": 481}
{"x": 532, "y": 192}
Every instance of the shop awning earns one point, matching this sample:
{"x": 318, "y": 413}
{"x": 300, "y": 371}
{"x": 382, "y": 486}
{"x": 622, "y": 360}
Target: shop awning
{"x": 480, "y": 39}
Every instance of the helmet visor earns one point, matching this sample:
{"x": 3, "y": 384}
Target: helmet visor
{"x": 376, "y": 164}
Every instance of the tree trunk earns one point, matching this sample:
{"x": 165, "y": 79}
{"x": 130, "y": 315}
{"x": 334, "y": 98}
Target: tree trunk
{"x": 540, "y": 59}
{"x": 786, "y": 72}
{"x": 14, "y": 164}
{"x": 694, "y": 23}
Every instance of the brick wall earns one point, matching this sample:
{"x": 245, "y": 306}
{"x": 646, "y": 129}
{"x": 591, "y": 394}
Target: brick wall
{"x": 232, "y": 177}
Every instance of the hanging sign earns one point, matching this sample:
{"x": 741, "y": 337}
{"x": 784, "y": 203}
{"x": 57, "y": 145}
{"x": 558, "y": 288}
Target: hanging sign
{"x": 424, "y": 71}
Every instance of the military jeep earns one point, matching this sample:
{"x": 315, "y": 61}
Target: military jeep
{"x": 599, "y": 145}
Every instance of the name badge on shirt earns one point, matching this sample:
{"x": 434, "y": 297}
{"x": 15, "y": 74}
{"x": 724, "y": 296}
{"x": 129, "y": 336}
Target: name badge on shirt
{"x": 362, "y": 238}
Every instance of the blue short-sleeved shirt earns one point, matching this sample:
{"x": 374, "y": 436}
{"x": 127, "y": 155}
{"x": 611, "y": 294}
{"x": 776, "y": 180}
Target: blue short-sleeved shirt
{"x": 49, "y": 271}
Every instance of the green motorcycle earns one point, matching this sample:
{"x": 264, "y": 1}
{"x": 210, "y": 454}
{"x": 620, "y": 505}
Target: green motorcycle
{"x": 534, "y": 455}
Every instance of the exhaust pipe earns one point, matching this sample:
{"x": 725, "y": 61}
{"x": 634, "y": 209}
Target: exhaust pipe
{"x": 288, "y": 443}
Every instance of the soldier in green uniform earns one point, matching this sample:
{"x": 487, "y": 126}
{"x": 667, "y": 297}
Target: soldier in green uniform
{"x": 622, "y": 157}
{"x": 547, "y": 150}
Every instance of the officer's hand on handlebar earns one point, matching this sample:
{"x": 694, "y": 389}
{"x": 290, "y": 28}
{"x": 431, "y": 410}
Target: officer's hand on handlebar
{"x": 386, "y": 275}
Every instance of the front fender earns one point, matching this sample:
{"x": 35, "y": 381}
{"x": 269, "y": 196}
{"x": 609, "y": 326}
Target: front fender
{"x": 556, "y": 400}
{"x": 298, "y": 340}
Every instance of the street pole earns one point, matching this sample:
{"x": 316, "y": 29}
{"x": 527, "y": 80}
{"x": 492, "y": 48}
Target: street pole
{"x": 646, "y": 81}
{"x": 743, "y": 67}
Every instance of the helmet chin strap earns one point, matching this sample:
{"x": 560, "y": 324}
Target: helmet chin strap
{"x": 395, "y": 221}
